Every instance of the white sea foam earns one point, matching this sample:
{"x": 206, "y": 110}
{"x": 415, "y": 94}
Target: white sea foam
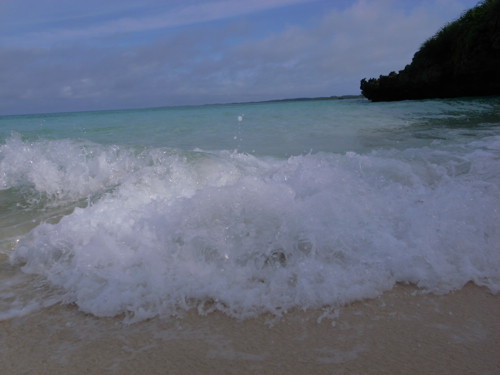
{"x": 169, "y": 230}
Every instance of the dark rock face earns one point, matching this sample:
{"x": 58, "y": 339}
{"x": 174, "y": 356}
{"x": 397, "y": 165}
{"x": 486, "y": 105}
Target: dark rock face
{"x": 462, "y": 59}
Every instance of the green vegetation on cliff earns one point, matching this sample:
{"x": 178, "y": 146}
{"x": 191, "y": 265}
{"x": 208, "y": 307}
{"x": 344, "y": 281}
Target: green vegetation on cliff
{"x": 461, "y": 59}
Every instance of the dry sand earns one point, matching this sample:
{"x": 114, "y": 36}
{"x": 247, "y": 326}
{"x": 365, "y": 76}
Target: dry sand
{"x": 401, "y": 332}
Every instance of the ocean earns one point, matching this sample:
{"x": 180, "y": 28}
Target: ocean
{"x": 247, "y": 209}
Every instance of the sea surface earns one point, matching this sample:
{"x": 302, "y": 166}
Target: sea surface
{"x": 247, "y": 208}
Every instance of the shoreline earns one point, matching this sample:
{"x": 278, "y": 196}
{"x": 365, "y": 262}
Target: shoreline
{"x": 403, "y": 331}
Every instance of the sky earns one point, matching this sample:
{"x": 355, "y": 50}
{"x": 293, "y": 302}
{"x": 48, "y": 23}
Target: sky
{"x": 66, "y": 55}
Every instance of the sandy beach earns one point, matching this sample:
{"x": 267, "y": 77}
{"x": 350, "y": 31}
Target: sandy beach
{"x": 401, "y": 332}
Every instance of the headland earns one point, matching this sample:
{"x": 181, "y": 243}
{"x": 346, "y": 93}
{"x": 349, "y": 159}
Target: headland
{"x": 461, "y": 59}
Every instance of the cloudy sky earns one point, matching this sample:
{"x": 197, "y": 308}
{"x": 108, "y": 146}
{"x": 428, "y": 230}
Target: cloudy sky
{"x": 68, "y": 55}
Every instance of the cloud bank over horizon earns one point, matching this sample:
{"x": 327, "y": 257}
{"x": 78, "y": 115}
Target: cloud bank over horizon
{"x": 131, "y": 54}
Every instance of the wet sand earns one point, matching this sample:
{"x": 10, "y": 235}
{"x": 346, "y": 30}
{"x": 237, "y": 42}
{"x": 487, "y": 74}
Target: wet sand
{"x": 401, "y": 332}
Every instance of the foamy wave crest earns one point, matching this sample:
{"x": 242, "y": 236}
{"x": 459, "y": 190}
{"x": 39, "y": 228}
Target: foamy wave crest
{"x": 246, "y": 235}
{"x": 61, "y": 171}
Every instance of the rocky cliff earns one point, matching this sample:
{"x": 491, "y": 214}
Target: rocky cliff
{"x": 462, "y": 59}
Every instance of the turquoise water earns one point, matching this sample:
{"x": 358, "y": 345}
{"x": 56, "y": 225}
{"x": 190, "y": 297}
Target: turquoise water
{"x": 247, "y": 208}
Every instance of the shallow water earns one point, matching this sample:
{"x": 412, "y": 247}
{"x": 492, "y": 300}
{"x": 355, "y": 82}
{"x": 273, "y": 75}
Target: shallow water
{"x": 247, "y": 208}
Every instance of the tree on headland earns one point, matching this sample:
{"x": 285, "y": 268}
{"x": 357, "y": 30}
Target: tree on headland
{"x": 461, "y": 59}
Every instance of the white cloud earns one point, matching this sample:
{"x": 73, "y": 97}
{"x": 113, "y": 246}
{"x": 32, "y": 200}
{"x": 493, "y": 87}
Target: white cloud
{"x": 369, "y": 38}
{"x": 177, "y": 16}
{"x": 327, "y": 56}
